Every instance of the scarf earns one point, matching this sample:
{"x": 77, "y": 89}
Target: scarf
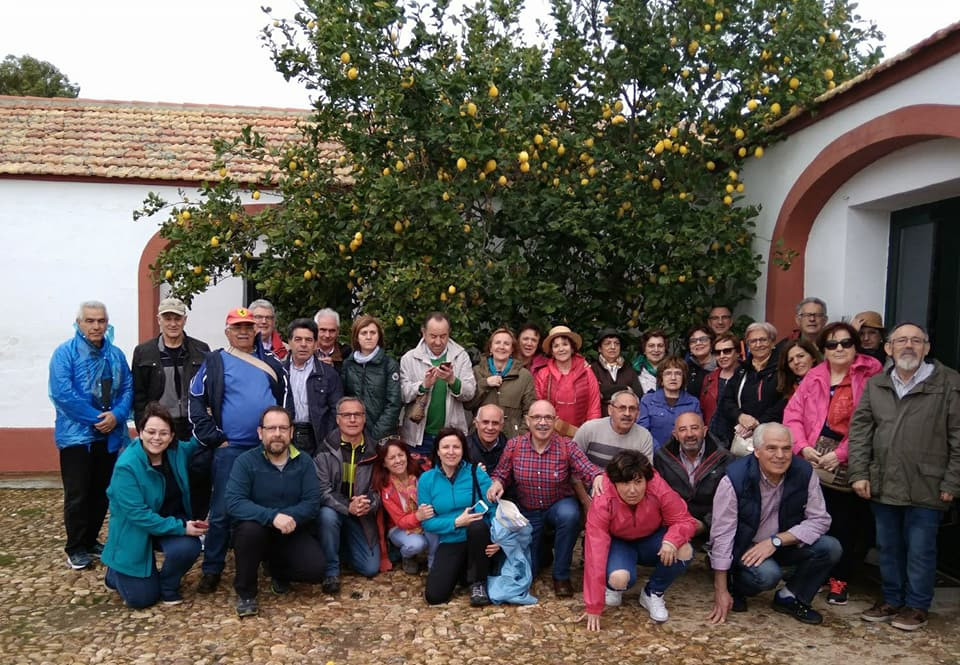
{"x": 499, "y": 372}
{"x": 613, "y": 368}
{"x": 645, "y": 364}
{"x": 361, "y": 359}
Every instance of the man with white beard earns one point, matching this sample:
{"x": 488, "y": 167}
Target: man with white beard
{"x": 905, "y": 458}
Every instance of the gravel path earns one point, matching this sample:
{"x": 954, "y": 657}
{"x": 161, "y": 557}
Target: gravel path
{"x": 51, "y": 614}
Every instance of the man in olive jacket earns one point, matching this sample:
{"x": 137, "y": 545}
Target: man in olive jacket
{"x": 905, "y": 458}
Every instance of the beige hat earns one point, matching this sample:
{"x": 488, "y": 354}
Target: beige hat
{"x": 869, "y": 319}
{"x": 172, "y": 305}
{"x": 561, "y": 331}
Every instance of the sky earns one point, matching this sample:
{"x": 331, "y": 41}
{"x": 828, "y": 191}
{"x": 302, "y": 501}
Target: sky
{"x": 209, "y": 52}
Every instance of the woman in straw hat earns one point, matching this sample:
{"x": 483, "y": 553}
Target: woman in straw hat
{"x": 567, "y": 381}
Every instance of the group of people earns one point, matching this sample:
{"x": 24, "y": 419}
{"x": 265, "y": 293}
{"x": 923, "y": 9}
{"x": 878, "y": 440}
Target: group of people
{"x": 305, "y": 452}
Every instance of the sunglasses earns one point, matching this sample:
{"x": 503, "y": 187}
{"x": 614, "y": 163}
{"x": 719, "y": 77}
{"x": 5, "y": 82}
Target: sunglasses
{"x": 724, "y": 352}
{"x": 834, "y": 343}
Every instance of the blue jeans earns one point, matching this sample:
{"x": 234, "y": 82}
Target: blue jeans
{"x": 626, "y": 554}
{"x": 907, "y": 541}
{"x": 426, "y": 446}
{"x": 412, "y": 544}
{"x": 218, "y": 536}
{"x": 360, "y": 555}
{"x": 179, "y": 553}
{"x": 564, "y": 517}
{"x": 812, "y": 563}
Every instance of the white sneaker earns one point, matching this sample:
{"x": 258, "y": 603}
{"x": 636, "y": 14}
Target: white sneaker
{"x": 655, "y": 606}
{"x": 612, "y": 598}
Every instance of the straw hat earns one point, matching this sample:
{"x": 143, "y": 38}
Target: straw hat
{"x": 561, "y": 331}
{"x": 869, "y": 319}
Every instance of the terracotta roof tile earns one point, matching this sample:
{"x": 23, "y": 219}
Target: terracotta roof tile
{"x": 132, "y": 140}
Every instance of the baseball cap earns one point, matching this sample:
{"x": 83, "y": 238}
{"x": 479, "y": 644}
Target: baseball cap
{"x": 172, "y": 305}
{"x": 239, "y": 315}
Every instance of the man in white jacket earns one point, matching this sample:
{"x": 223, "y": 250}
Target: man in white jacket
{"x": 438, "y": 374}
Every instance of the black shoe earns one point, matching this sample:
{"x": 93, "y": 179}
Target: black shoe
{"x": 330, "y": 585}
{"x": 478, "y": 595}
{"x": 279, "y": 587}
{"x": 208, "y": 583}
{"x": 247, "y": 607}
{"x": 739, "y": 603}
{"x": 96, "y": 550}
{"x": 798, "y": 609}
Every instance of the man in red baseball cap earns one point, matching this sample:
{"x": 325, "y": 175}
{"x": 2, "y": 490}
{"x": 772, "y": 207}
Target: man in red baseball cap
{"x": 227, "y": 395}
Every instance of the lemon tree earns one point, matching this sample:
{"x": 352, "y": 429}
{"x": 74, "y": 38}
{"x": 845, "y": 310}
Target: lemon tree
{"x": 588, "y": 173}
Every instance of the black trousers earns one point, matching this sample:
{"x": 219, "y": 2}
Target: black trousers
{"x": 296, "y": 557}
{"x": 86, "y": 474}
{"x": 459, "y": 562}
{"x": 852, "y": 525}
{"x": 201, "y": 484}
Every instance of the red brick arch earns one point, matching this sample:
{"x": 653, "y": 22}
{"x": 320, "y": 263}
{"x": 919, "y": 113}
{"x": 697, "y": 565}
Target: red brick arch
{"x": 836, "y": 164}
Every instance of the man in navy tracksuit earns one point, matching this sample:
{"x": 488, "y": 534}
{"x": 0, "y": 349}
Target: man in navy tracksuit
{"x": 227, "y": 395}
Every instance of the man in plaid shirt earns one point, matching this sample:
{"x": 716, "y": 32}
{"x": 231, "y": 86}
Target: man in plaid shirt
{"x": 540, "y": 463}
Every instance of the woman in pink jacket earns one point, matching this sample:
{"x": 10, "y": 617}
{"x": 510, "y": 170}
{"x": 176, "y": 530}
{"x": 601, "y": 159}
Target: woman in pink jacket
{"x": 567, "y": 381}
{"x": 638, "y": 519}
{"x": 818, "y": 415}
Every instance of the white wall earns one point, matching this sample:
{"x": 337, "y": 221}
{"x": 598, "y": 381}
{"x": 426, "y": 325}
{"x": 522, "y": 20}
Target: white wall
{"x": 66, "y": 242}
{"x": 847, "y": 252}
{"x": 768, "y": 181}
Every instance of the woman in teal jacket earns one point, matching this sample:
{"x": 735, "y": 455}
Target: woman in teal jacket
{"x": 453, "y": 487}
{"x": 150, "y": 510}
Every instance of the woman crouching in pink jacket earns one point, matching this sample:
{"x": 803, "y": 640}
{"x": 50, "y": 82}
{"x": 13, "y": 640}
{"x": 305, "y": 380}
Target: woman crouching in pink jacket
{"x": 638, "y": 519}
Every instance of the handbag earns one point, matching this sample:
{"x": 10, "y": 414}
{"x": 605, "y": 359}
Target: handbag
{"x": 837, "y": 479}
{"x": 419, "y": 409}
{"x": 741, "y": 446}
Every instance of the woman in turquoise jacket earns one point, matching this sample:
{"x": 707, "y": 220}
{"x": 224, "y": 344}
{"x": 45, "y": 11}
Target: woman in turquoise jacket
{"x": 150, "y": 510}
{"x": 453, "y": 487}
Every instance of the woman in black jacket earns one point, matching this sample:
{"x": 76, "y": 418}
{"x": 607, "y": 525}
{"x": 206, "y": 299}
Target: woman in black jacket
{"x": 373, "y": 377}
{"x": 751, "y": 396}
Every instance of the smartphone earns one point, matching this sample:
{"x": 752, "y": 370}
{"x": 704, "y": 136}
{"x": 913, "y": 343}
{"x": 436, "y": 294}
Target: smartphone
{"x": 201, "y": 524}
{"x": 446, "y": 366}
{"x": 480, "y": 507}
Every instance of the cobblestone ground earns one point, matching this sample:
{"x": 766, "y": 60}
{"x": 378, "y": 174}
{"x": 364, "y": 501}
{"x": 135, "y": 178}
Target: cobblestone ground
{"x": 51, "y": 614}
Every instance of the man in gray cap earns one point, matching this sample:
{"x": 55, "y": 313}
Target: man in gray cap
{"x": 162, "y": 369}
{"x": 164, "y": 365}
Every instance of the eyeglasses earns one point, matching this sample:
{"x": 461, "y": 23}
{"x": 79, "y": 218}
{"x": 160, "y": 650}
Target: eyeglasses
{"x": 262, "y": 317}
{"x": 834, "y": 343}
{"x": 542, "y": 419}
{"x": 350, "y": 414}
{"x": 912, "y": 341}
{"x": 625, "y": 407}
{"x": 276, "y": 428}
{"x": 724, "y": 352}
{"x": 813, "y": 316}
{"x": 703, "y": 339}
{"x": 758, "y": 341}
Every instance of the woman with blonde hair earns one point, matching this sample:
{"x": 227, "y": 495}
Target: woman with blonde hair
{"x": 502, "y": 380}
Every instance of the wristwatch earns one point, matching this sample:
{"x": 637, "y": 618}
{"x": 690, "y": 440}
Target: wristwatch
{"x": 776, "y": 541}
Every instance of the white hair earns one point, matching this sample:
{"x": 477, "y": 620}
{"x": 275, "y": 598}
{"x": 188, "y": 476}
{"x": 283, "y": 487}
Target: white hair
{"x": 92, "y": 304}
{"x": 759, "y": 434}
{"x": 325, "y": 312}
{"x": 266, "y": 304}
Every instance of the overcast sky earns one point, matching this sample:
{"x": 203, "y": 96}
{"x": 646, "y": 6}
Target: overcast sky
{"x": 209, "y": 52}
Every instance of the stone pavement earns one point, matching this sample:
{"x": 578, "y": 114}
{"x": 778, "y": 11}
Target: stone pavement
{"x": 51, "y": 614}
